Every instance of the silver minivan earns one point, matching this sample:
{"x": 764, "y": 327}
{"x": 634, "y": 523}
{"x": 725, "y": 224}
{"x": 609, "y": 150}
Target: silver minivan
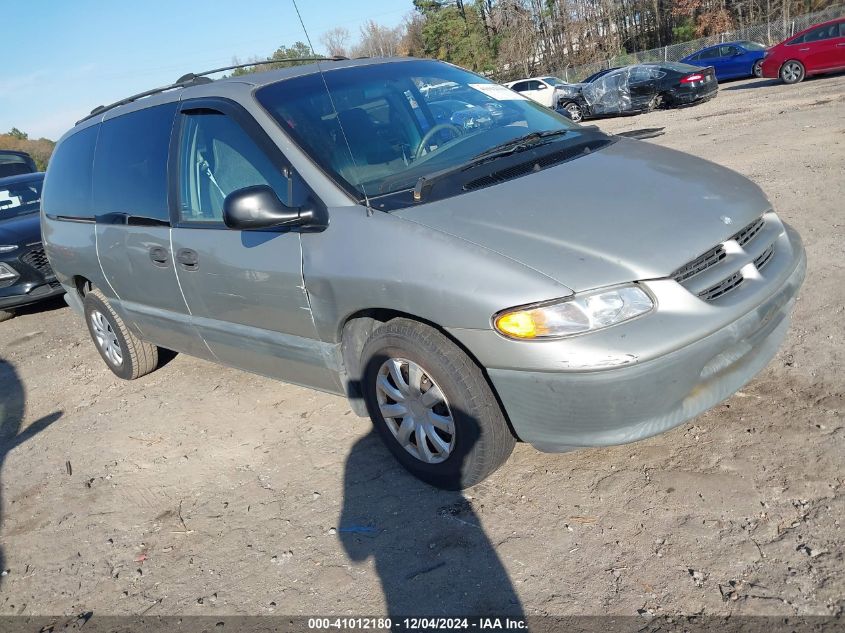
{"x": 468, "y": 267}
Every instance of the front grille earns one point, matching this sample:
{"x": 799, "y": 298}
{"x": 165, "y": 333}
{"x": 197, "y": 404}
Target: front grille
{"x": 723, "y": 287}
{"x": 37, "y": 259}
{"x": 700, "y": 263}
{"x": 716, "y": 255}
{"x": 749, "y": 232}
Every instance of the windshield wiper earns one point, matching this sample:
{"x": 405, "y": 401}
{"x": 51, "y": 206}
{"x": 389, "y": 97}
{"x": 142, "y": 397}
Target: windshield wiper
{"x": 519, "y": 144}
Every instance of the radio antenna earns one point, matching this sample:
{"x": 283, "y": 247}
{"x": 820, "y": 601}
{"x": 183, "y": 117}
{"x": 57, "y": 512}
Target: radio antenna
{"x": 331, "y": 101}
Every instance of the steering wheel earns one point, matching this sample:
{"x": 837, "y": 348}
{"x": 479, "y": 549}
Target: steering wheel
{"x": 430, "y": 134}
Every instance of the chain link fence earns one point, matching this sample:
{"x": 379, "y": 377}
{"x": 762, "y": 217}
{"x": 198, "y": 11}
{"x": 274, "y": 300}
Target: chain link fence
{"x": 768, "y": 34}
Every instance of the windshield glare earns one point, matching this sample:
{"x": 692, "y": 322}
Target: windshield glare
{"x": 388, "y": 124}
{"x": 20, "y": 199}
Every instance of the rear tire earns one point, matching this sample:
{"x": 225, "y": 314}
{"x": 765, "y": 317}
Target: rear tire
{"x": 469, "y": 437}
{"x": 757, "y": 69}
{"x": 792, "y": 72}
{"x": 5, "y": 315}
{"x": 126, "y": 355}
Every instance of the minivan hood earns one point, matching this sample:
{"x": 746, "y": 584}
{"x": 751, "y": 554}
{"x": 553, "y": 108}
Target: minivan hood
{"x": 630, "y": 211}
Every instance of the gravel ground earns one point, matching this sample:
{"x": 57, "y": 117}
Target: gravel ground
{"x": 203, "y": 490}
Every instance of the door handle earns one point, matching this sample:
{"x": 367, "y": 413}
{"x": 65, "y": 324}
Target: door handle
{"x": 158, "y": 255}
{"x": 187, "y": 258}
{"x": 803, "y": 49}
{"x": 842, "y": 44}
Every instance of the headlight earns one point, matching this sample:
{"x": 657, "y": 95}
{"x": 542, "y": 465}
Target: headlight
{"x": 584, "y": 312}
{"x": 8, "y": 249}
{"x": 7, "y": 275}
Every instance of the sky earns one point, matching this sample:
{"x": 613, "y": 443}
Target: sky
{"x": 65, "y": 57}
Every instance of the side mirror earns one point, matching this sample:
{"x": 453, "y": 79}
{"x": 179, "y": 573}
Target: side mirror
{"x": 258, "y": 207}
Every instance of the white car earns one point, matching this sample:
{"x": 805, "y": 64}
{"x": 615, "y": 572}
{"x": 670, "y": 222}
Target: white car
{"x": 540, "y": 89}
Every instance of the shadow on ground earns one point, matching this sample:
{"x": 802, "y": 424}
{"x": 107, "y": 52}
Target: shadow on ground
{"x": 428, "y": 546}
{"x": 48, "y": 305}
{"x": 12, "y": 435}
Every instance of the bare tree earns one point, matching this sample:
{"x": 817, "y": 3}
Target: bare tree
{"x": 335, "y": 40}
{"x": 378, "y": 40}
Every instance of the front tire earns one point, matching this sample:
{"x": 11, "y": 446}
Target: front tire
{"x": 126, "y": 355}
{"x": 5, "y": 315}
{"x": 792, "y": 72}
{"x": 575, "y": 112}
{"x": 757, "y": 69}
{"x": 432, "y": 406}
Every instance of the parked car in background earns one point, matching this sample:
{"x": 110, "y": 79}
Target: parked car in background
{"x": 464, "y": 288}
{"x": 637, "y": 88}
{"x": 818, "y": 49}
{"x": 14, "y": 163}
{"x": 543, "y": 90}
{"x": 25, "y": 273}
{"x": 731, "y": 60}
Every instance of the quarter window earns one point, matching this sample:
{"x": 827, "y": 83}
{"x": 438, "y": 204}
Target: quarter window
{"x": 67, "y": 190}
{"x": 216, "y": 158}
{"x": 130, "y": 169}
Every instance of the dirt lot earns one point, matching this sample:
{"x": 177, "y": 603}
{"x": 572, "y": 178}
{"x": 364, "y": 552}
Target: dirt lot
{"x": 203, "y": 490}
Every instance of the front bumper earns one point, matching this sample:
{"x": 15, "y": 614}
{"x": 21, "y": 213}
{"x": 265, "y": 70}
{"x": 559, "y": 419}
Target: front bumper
{"x": 36, "y": 280}
{"x": 771, "y": 67}
{"x": 630, "y": 382}
{"x": 21, "y": 295}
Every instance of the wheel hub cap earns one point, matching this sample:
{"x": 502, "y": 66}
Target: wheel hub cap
{"x": 106, "y": 338}
{"x": 415, "y": 410}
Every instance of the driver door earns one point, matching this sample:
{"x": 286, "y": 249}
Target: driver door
{"x": 244, "y": 289}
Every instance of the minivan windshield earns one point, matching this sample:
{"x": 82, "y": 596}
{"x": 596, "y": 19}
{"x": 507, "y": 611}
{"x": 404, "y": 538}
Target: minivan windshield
{"x": 20, "y": 198}
{"x": 380, "y": 127}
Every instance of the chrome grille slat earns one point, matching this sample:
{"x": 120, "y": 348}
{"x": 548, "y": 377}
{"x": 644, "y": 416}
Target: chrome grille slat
{"x": 723, "y": 287}
{"x": 700, "y": 263}
{"x": 765, "y": 257}
{"x": 749, "y": 232}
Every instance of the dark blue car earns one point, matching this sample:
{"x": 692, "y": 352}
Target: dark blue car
{"x": 732, "y": 60}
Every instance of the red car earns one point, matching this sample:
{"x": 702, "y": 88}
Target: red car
{"x": 818, "y": 49}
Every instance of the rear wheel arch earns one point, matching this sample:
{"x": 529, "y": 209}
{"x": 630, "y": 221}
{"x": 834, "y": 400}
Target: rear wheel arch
{"x": 82, "y": 285}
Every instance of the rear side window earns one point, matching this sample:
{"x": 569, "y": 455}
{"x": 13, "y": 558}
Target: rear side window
{"x": 130, "y": 170}
{"x": 67, "y": 190}
{"x": 711, "y": 53}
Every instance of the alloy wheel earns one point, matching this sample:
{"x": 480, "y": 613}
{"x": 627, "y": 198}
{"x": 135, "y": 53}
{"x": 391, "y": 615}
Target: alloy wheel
{"x": 106, "y": 338}
{"x": 415, "y": 410}
{"x": 791, "y": 72}
{"x": 574, "y": 112}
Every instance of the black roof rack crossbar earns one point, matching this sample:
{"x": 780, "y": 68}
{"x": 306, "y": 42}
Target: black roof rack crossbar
{"x": 191, "y": 79}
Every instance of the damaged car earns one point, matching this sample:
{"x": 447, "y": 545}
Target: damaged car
{"x": 466, "y": 288}
{"x": 637, "y": 88}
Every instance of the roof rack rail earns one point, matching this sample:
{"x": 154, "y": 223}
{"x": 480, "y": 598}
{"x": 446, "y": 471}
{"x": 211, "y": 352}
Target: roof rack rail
{"x": 193, "y": 79}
